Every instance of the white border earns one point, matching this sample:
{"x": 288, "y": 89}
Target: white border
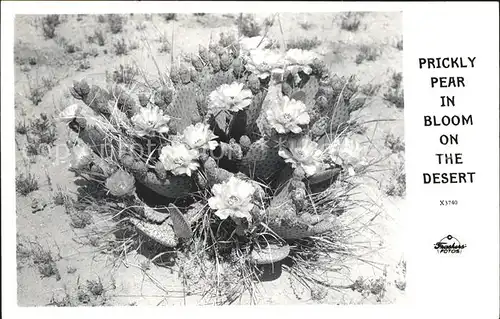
{"x": 430, "y": 29}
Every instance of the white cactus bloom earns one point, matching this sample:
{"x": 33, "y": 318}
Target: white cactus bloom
{"x": 287, "y": 116}
{"x": 69, "y": 113}
{"x": 179, "y": 159}
{"x": 345, "y": 152}
{"x": 150, "y": 120}
{"x": 230, "y": 97}
{"x": 81, "y": 156}
{"x": 232, "y": 198}
{"x": 299, "y": 60}
{"x": 302, "y": 58}
{"x": 199, "y": 136}
{"x": 264, "y": 63}
{"x": 303, "y": 152}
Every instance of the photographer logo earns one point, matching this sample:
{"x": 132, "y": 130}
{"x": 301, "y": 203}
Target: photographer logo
{"x": 449, "y": 245}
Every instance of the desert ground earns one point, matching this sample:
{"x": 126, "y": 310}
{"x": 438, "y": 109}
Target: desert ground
{"x": 62, "y": 263}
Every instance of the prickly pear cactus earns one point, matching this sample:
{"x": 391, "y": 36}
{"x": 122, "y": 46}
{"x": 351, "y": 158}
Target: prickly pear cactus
{"x": 240, "y": 135}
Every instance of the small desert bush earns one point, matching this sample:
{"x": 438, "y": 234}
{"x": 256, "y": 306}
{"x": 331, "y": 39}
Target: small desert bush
{"x": 397, "y": 185}
{"x": 395, "y": 144}
{"x": 49, "y": 24}
{"x": 121, "y": 47}
{"x": 367, "y": 53}
{"x": 101, "y": 18}
{"x": 42, "y": 258}
{"x": 83, "y": 65}
{"x": 98, "y": 38}
{"x": 395, "y": 93}
{"x": 80, "y": 219}
{"x": 370, "y": 89}
{"x": 45, "y": 129}
{"x": 32, "y": 60}
{"x": 60, "y": 197}
{"x": 165, "y": 46}
{"x": 124, "y": 74}
{"x": 133, "y": 45}
{"x": 45, "y": 262}
{"x": 35, "y": 91}
{"x": 71, "y": 270}
{"x": 64, "y": 301}
{"x": 49, "y": 82}
{"x": 26, "y": 183}
{"x": 304, "y": 43}
{"x": 371, "y": 286}
{"x": 399, "y": 45}
{"x": 95, "y": 287}
{"x": 169, "y": 16}
{"x": 115, "y": 22}
{"x": 67, "y": 45}
{"x": 248, "y": 26}
{"x": 22, "y": 127}
{"x": 350, "y": 22}
{"x": 141, "y": 26}
{"x": 269, "y": 21}
{"x": 306, "y": 25}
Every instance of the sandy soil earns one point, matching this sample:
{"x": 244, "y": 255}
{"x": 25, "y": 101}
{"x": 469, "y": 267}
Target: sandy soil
{"x": 126, "y": 283}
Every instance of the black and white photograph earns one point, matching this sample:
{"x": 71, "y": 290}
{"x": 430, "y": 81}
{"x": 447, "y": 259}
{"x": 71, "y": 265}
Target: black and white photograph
{"x": 209, "y": 159}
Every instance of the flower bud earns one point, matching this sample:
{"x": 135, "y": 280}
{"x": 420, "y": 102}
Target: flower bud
{"x": 160, "y": 170}
{"x": 164, "y": 97}
{"x": 299, "y": 198}
{"x": 184, "y": 74}
{"x": 254, "y": 83}
{"x": 245, "y": 142}
{"x": 194, "y": 75}
{"x": 225, "y": 61}
{"x": 196, "y": 62}
{"x": 212, "y": 47}
{"x": 321, "y": 126}
{"x": 321, "y": 102}
{"x": 214, "y": 61}
{"x": 203, "y": 53}
{"x": 143, "y": 100}
{"x": 175, "y": 74}
{"x": 236, "y": 151}
{"x": 224, "y": 41}
{"x": 238, "y": 67}
{"x": 286, "y": 88}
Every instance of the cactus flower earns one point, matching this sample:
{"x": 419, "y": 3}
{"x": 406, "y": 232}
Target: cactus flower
{"x": 199, "y": 136}
{"x": 265, "y": 63}
{"x": 303, "y": 152}
{"x": 230, "y": 97}
{"x": 286, "y": 116}
{"x": 302, "y": 58}
{"x": 121, "y": 183}
{"x": 81, "y": 156}
{"x": 345, "y": 152}
{"x": 232, "y": 199}
{"x": 69, "y": 113}
{"x": 150, "y": 119}
{"x": 179, "y": 159}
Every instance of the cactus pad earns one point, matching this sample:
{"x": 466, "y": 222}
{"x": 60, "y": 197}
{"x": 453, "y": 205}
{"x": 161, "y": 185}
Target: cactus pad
{"x": 162, "y": 234}
{"x": 184, "y": 108}
{"x": 180, "y": 224}
{"x": 269, "y": 254}
{"x": 171, "y": 187}
{"x": 262, "y": 160}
